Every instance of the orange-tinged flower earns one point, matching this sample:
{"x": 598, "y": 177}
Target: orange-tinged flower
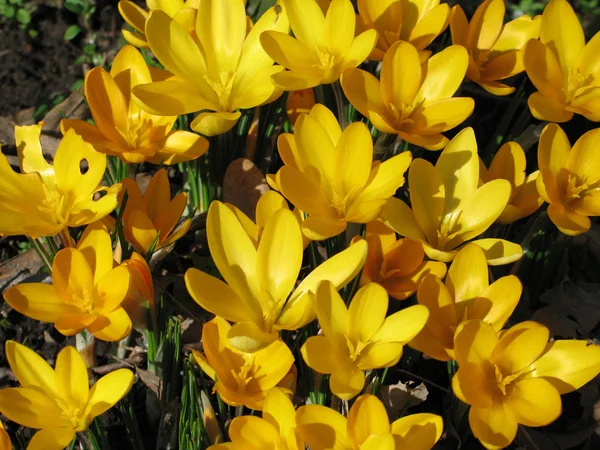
{"x": 242, "y": 378}
{"x": 58, "y": 401}
{"x": 323, "y": 47}
{"x": 495, "y": 48}
{"x": 123, "y": 129}
{"x": 413, "y": 99}
{"x": 330, "y": 174}
{"x": 516, "y": 377}
{"x": 152, "y": 217}
{"x": 4, "y": 439}
{"x": 367, "y": 428}
{"x": 467, "y": 294}
{"x": 563, "y": 68}
{"x": 358, "y": 338}
{"x": 86, "y": 291}
{"x": 397, "y": 265}
{"x": 45, "y": 198}
{"x": 299, "y": 102}
{"x": 141, "y": 290}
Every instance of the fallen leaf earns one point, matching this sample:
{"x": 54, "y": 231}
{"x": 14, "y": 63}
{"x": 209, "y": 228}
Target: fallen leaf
{"x": 243, "y": 185}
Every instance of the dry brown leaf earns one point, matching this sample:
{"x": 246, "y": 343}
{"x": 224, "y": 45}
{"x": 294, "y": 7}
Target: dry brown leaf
{"x": 397, "y": 398}
{"x": 243, "y": 185}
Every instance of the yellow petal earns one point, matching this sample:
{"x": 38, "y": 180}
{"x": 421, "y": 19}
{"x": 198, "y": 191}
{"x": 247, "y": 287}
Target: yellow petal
{"x": 96, "y": 247}
{"x": 427, "y": 197}
{"x": 589, "y": 63}
{"x": 320, "y": 354}
{"x": 471, "y": 385}
{"x": 496, "y": 88}
{"x": 358, "y": 52}
{"x": 319, "y": 228}
{"x": 249, "y": 338}
{"x": 486, "y": 25}
{"x": 430, "y": 26}
{"x": 427, "y": 343}
{"x": 250, "y": 431}
{"x": 366, "y": 312}
{"x": 520, "y": 346}
{"x": 570, "y": 223}
{"x": 516, "y": 33}
{"x": 107, "y": 392}
{"x": 442, "y": 115}
{"x": 268, "y": 204}
{"x": 51, "y": 439}
{"x": 417, "y": 431}
{"x": 29, "y": 150}
{"x": 544, "y": 70}
{"x": 303, "y": 192}
{"x": 170, "y": 97}
{"x": 322, "y": 428}
{"x": 363, "y": 90}
{"x": 497, "y": 302}
{"x": 332, "y": 313}
{"x": 31, "y": 370}
{"x": 295, "y": 81}
{"x": 257, "y": 90}
{"x": 347, "y": 383}
{"x": 30, "y": 407}
{"x": 582, "y": 161}
{"x": 135, "y": 38}
{"x": 534, "y": 402}
{"x": 71, "y": 274}
{"x": 36, "y": 300}
{"x": 403, "y": 258}
{"x": 379, "y": 442}
{"x": 307, "y": 22}
{"x": 385, "y": 178}
{"x": 444, "y": 72}
{"x": 367, "y": 417}
{"x": 553, "y": 152}
{"x": 339, "y": 27}
{"x": 493, "y": 426}
{"x": 468, "y": 276}
{"x": 272, "y": 364}
{"x": 443, "y": 319}
{"x": 112, "y": 326}
{"x": 509, "y": 163}
{"x": 401, "y": 75}
{"x": 545, "y": 108}
{"x": 474, "y": 342}
{"x": 133, "y": 14}
{"x": 459, "y": 26}
{"x": 398, "y": 216}
{"x": 111, "y": 290}
{"x": 140, "y": 231}
{"x": 403, "y": 325}
{"x": 328, "y": 121}
{"x": 180, "y": 146}
{"x": 72, "y": 375}
{"x": 380, "y": 354}
{"x": 353, "y": 156}
{"x": 211, "y": 124}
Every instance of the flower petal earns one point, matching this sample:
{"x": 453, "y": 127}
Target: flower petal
{"x": 400, "y": 75}
{"x": 29, "y": 407}
{"x": 322, "y": 428}
{"x": 107, "y": 392}
{"x": 486, "y": 25}
{"x": 367, "y": 417}
{"x": 403, "y": 325}
{"x": 544, "y": 70}
{"x": 468, "y": 276}
{"x": 347, "y": 383}
{"x": 332, "y": 313}
{"x": 417, "y": 431}
{"x": 213, "y": 123}
{"x": 363, "y": 90}
{"x": 319, "y": 228}
{"x": 493, "y": 426}
{"x": 56, "y": 438}
{"x": 497, "y": 302}
{"x": 546, "y": 108}
{"x": 96, "y": 246}
{"x": 534, "y": 402}
{"x": 72, "y": 375}
{"x": 31, "y": 370}
{"x": 474, "y": 342}
{"x": 570, "y": 223}
{"x": 443, "y": 74}
{"x": 307, "y": 22}
{"x": 320, "y": 354}
{"x": 111, "y": 327}
{"x": 171, "y": 97}
{"x": 499, "y": 251}
{"x": 247, "y": 337}
{"x": 36, "y": 300}
{"x": 520, "y": 346}
{"x": 427, "y": 197}
{"x": 366, "y": 312}
{"x": 398, "y": 216}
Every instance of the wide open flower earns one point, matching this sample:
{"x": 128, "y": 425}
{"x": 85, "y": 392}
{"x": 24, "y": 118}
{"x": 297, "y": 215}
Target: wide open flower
{"x": 59, "y": 402}
{"x": 225, "y": 69}
{"x": 324, "y": 44}
{"x": 413, "y": 100}
{"x": 45, "y": 198}
{"x": 331, "y": 175}
{"x": 467, "y": 294}
{"x": 86, "y": 292}
{"x": 123, "y": 129}
{"x": 448, "y": 207}
{"x": 495, "y": 49}
{"x": 258, "y": 295}
{"x": 509, "y": 164}
{"x": 569, "y": 178}
{"x": 242, "y": 378}
{"x": 367, "y": 427}
{"x": 563, "y": 68}
{"x": 397, "y": 265}
{"x": 152, "y": 217}
{"x": 516, "y": 377}
{"x": 358, "y": 338}
{"x": 416, "y": 21}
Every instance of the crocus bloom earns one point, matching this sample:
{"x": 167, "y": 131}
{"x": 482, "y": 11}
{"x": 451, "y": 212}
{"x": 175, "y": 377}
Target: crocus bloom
{"x": 495, "y": 49}
{"x": 413, "y": 100}
{"x": 509, "y": 164}
{"x": 86, "y": 291}
{"x": 330, "y": 174}
{"x": 4, "y": 439}
{"x": 517, "y": 377}
{"x": 241, "y": 378}
{"x": 152, "y": 217}
{"x": 448, "y": 207}
{"x": 44, "y": 199}
{"x": 140, "y": 292}
{"x": 467, "y": 294}
{"x": 563, "y": 68}
{"x": 397, "y": 265}
{"x": 358, "y": 338}
{"x": 58, "y": 401}
{"x": 416, "y": 21}
{"x": 323, "y": 47}
{"x": 367, "y": 427}
{"x": 123, "y": 129}
{"x": 258, "y": 295}
{"x": 224, "y": 69}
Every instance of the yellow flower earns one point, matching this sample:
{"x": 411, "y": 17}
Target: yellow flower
{"x": 416, "y": 21}
{"x": 123, "y": 129}
{"x": 59, "y": 402}
{"x": 44, "y": 199}
{"x": 257, "y": 292}
{"x": 495, "y": 49}
{"x": 141, "y": 290}
{"x": 4, "y": 439}
{"x": 276, "y": 430}
{"x": 509, "y": 164}
{"x": 563, "y": 68}
{"x": 467, "y": 294}
{"x": 242, "y": 378}
{"x": 323, "y": 47}
{"x": 397, "y": 265}
{"x": 86, "y": 292}
{"x": 367, "y": 427}
{"x": 358, "y": 338}
{"x": 224, "y": 69}
{"x": 413, "y": 100}
{"x": 153, "y": 215}
{"x": 517, "y": 377}
{"x": 331, "y": 175}
{"x": 569, "y": 178}
{"x": 448, "y": 207}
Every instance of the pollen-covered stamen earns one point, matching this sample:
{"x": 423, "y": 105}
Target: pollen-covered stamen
{"x": 53, "y": 205}
{"x": 222, "y": 87}
{"x": 503, "y": 382}
{"x": 244, "y": 375}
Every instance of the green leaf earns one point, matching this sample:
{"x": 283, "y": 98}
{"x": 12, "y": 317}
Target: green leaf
{"x": 23, "y": 16}
{"x": 72, "y": 32}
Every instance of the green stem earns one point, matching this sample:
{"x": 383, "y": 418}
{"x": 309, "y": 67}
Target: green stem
{"x": 42, "y": 253}
{"x": 339, "y": 102}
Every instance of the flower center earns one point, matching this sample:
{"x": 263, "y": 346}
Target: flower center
{"x": 83, "y": 300}
{"x": 503, "y": 381}
{"x": 355, "y": 349}
{"x": 575, "y": 81}
{"x": 53, "y": 206}
{"x": 222, "y": 87}
{"x": 244, "y": 375}
{"x": 446, "y": 232}
{"x": 139, "y": 132}
{"x": 69, "y": 413}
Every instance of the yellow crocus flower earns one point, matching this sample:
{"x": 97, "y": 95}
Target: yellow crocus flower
{"x": 123, "y": 129}
{"x": 517, "y": 377}
{"x": 258, "y": 295}
{"x": 330, "y": 174}
{"x": 359, "y": 337}
{"x": 447, "y": 206}
{"x": 569, "y": 178}
{"x": 86, "y": 291}
{"x": 565, "y": 70}
{"x": 4, "y": 439}
{"x": 495, "y": 48}
{"x": 243, "y": 378}
{"x": 323, "y": 47}
{"x": 466, "y": 294}
{"x": 413, "y": 100}
{"x": 45, "y": 198}
{"x": 223, "y": 70}
{"x": 58, "y": 402}
{"x": 367, "y": 428}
